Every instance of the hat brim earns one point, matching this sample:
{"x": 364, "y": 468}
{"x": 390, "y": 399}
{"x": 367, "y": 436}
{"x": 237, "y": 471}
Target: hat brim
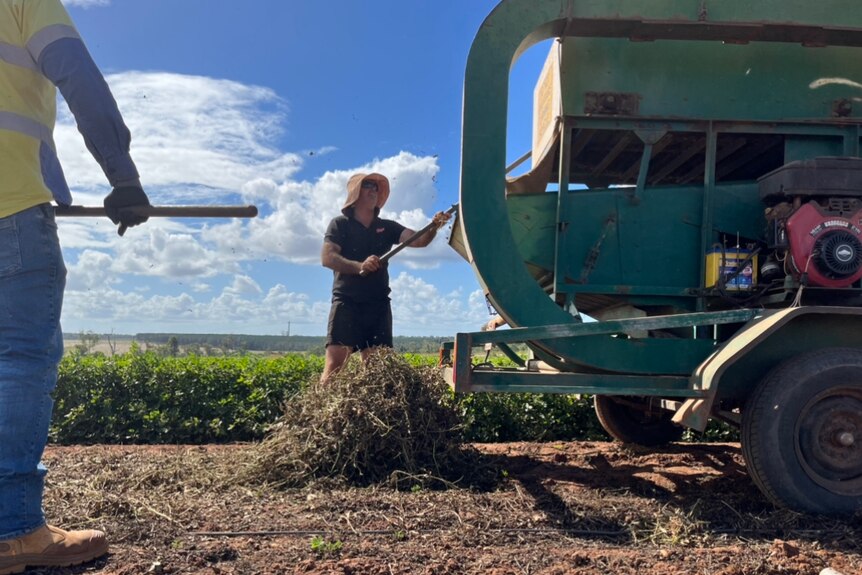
{"x": 354, "y": 185}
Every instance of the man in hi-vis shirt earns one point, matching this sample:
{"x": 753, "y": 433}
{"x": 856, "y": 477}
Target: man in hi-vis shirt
{"x": 40, "y": 51}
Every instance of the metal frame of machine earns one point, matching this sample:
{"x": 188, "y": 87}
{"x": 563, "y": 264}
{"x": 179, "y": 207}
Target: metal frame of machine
{"x": 702, "y": 344}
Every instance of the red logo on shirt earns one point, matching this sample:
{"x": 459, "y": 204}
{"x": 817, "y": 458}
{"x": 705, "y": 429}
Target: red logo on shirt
{"x": 380, "y": 230}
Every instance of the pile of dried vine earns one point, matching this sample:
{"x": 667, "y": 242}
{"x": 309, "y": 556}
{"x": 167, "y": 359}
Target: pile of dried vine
{"x": 380, "y": 421}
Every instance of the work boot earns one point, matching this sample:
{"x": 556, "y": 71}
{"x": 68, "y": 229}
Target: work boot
{"x": 50, "y": 547}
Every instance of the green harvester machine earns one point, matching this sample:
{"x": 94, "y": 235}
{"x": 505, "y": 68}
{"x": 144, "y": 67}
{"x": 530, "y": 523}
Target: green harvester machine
{"x": 686, "y": 244}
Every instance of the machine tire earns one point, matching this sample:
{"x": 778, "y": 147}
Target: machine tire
{"x": 802, "y": 432}
{"x": 624, "y": 419}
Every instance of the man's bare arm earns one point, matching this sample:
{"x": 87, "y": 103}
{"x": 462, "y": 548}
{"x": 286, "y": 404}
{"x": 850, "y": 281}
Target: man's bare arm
{"x": 330, "y": 257}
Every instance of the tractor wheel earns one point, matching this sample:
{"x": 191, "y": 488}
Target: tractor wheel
{"x": 635, "y": 420}
{"x": 802, "y": 432}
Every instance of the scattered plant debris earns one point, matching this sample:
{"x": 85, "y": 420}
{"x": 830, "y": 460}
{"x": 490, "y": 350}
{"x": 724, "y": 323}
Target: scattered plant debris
{"x": 378, "y": 421}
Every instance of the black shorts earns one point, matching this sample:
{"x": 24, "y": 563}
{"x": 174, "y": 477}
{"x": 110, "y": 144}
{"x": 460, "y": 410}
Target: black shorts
{"x": 360, "y": 325}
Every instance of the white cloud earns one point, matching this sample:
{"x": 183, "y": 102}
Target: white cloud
{"x": 86, "y": 3}
{"x": 202, "y": 140}
{"x": 244, "y": 307}
{"x": 189, "y": 133}
{"x": 244, "y": 285}
{"x": 199, "y": 140}
{"x": 419, "y": 308}
{"x": 203, "y": 137}
{"x": 91, "y": 271}
{"x": 302, "y": 210}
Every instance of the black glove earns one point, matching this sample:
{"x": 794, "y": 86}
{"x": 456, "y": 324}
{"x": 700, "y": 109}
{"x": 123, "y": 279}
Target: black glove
{"x": 125, "y": 197}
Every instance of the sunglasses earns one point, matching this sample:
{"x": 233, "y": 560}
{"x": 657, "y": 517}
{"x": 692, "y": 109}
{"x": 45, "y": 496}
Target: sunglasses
{"x": 369, "y": 185}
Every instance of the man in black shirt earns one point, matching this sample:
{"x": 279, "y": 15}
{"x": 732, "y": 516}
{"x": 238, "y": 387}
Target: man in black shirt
{"x": 361, "y": 317}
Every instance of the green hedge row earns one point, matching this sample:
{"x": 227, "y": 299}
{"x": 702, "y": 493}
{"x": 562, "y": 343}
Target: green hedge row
{"x": 141, "y": 397}
{"x": 144, "y": 398}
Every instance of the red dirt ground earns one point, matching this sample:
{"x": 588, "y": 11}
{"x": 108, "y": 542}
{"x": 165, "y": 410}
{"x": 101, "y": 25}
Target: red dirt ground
{"x": 562, "y": 508}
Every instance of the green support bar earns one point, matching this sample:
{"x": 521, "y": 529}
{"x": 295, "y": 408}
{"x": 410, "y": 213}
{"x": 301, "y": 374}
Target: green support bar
{"x": 510, "y": 353}
{"x": 560, "y": 253}
{"x": 467, "y": 378}
{"x": 851, "y": 141}
{"x": 509, "y": 381}
{"x": 708, "y": 195}
{"x": 573, "y": 330}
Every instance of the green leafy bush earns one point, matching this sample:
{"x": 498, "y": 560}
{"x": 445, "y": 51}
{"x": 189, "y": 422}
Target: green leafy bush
{"x": 144, "y": 398}
{"x": 491, "y": 417}
{"x": 529, "y": 417}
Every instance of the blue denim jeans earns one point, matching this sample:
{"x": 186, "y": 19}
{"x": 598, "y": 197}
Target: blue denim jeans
{"x": 32, "y": 278}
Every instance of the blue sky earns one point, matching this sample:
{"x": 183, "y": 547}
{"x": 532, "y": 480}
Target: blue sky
{"x": 277, "y": 103}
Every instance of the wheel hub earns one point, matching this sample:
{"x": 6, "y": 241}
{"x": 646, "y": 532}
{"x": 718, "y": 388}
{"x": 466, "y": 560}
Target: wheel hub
{"x": 846, "y": 439}
{"x": 827, "y": 440}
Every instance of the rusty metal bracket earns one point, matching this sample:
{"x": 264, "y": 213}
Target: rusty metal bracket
{"x": 593, "y": 255}
{"x": 842, "y": 108}
{"x": 611, "y": 104}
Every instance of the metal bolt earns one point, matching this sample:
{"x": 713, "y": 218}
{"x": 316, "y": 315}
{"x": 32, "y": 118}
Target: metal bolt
{"x": 846, "y": 439}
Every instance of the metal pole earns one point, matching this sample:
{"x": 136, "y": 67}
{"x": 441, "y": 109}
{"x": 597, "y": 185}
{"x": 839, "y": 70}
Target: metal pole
{"x": 388, "y": 255}
{"x": 164, "y": 211}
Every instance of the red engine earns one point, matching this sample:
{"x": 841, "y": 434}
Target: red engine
{"x": 814, "y": 219}
{"x": 825, "y": 246}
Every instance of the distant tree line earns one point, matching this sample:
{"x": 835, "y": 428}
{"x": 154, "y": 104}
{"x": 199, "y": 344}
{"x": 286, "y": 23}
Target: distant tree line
{"x": 276, "y": 343}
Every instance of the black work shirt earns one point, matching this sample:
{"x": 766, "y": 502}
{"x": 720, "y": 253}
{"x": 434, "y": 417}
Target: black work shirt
{"x": 357, "y": 243}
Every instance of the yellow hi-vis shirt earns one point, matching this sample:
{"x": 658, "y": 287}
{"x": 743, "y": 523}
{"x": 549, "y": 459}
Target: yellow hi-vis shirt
{"x": 28, "y": 100}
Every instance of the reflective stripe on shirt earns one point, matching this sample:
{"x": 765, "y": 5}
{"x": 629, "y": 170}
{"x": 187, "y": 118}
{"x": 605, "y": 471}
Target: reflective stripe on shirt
{"x": 27, "y": 126}
{"x": 17, "y": 56}
{"x": 52, "y": 172}
{"x": 49, "y": 34}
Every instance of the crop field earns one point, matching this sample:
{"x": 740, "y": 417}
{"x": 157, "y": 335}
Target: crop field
{"x": 165, "y": 455}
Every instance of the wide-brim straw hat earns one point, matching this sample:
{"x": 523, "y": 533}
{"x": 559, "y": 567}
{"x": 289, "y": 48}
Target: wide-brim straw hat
{"x": 355, "y": 183}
